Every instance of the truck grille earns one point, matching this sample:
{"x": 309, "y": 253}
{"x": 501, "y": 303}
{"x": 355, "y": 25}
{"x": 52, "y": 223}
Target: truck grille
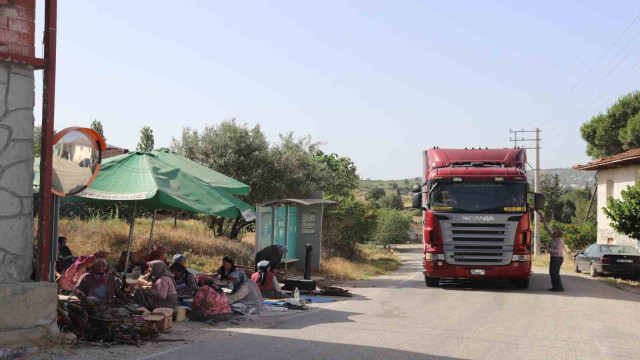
{"x": 474, "y": 243}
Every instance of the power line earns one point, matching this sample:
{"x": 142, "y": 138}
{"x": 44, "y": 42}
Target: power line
{"x": 590, "y": 69}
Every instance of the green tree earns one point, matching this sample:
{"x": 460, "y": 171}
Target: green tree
{"x": 146, "y": 139}
{"x": 391, "y": 201}
{"x": 550, "y": 187}
{"x": 97, "y": 126}
{"x": 615, "y": 131}
{"x": 392, "y": 227}
{"x": 625, "y": 212}
{"x": 345, "y": 225}
{"x": 341, "y": 178}
{"x": 37, "y": 140}
{"x": 374, "y": 194}
{"x": 239, "y": 152}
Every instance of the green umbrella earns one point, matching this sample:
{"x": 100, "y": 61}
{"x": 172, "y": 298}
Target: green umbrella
{"x": 156, "y": 180}
{"x": 165, "y": 180}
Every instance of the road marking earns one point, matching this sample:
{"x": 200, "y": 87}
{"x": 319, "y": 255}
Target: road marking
{"x": 163, "y": 353}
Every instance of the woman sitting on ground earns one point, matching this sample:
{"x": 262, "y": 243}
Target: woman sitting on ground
{"x": 99, "y": 284}
{"x": 185, "y": 281}
{"x": 210, "y": 302}
{"x": 245, "y": 297}
{"x": 228, "y": 266}
{"x": 73, "y": 274}
{"x": 267, "y": 282}
{"x": 163, "y": 289}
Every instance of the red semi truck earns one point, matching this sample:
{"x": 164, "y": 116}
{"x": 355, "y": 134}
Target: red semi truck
{"x": 475, "y": 215}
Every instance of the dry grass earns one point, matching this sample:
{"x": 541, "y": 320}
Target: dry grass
{"x": 191, "y": 238}
{"x": 205, "y": 252}
{"x": 543, "y": 261}
{"x": 373, "y": 261}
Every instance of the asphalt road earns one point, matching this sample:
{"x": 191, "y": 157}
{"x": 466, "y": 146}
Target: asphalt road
{"x": 397, "y": 317}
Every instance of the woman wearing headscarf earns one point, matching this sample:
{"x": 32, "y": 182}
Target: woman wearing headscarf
{"x": 163, "y": 289}
{"x": 272, "y": 253}
{"x": 228, "y": 266}
{"x": 74, "y": 272}
{"x": 210, "y": 302}
{"x": 160, "y": 253}
{"x": 186, "y": 283}
{"x": 244, "y": 292}
{"x": 65, "y": 256}
{"x": 267, "y": 282}
{"x": 99, "y": 284}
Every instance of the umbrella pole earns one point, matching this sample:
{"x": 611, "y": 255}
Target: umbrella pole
{"x": 153, "y": 221}
{"x": 126, "y": 264}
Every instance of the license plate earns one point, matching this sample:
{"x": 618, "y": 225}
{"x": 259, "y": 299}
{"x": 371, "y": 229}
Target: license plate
{"x": 625, "y": 261}
{"x": 477, "y": 271}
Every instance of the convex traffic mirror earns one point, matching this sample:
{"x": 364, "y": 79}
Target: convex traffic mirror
{"x": 77, "y": 153}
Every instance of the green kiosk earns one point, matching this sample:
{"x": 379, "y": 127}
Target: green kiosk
{"x": 293, "y": 223}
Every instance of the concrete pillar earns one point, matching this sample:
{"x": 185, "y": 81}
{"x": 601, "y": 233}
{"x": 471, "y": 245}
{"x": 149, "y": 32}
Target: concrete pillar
{"x": 27, "y": 308}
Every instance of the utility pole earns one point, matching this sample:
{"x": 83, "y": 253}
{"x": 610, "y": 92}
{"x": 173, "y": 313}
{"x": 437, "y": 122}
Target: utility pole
{"x": 536, "y": 178}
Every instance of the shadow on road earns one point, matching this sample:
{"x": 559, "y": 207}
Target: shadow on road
{"x": 575, "y": 285}
{"x": 252, "y": 346}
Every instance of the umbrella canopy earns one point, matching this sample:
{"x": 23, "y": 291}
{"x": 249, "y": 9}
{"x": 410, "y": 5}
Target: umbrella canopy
{"x": 164, "y": 180}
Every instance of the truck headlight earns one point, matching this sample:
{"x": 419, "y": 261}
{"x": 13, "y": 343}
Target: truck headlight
{"x": 521, "y": 258}
{"x": 434, "y": 256}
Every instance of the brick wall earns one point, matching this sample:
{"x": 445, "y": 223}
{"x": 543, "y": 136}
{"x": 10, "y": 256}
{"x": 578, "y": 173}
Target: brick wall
{"x": 17, "y": 27}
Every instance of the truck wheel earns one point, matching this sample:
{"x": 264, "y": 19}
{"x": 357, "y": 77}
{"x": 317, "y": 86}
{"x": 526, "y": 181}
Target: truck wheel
{"x": 575, "y": 267}
{"x": 593, "y": 271}
{"x": 430, "y": 281}
{"x": 520, "y": 283}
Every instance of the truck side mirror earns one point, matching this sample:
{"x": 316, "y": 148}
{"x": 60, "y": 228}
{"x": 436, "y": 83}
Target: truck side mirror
{"x": 416, "y": 201}
{"x": 416, "y": 188}
{"x": 539, "y": 201}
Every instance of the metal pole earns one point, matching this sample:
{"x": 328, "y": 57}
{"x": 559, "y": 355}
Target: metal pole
{"x": 536, "y": 245}
{"x": 273, "y": 223}
{"x": 126, "y": 263}
{"x": 46, "y": 171}
{"x": 153, "y": 221}
{"x": 55, "y": 230}
{"x": 286, "y": 232}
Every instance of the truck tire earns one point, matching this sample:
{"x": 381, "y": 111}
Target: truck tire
{"x": 520, "y": 283}
{"x": 431, "y": 281}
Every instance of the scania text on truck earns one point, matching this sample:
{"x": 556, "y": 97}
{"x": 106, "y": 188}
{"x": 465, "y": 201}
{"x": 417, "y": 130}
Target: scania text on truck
{"x": 475, "y": 215}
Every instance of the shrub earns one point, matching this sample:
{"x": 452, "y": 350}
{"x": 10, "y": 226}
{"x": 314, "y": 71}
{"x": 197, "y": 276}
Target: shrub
{"x": 576, "y": 237}
{"x": 392, "y": 227}
{"x": 391, "y": 202}
{"x": 344, "y": 226}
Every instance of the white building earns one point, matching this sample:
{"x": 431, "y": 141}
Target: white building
{"x": 614, "y": 174}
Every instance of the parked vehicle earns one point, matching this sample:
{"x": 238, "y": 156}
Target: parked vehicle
{"x": 611, "y": 259}
{"x": 475, "y": 215}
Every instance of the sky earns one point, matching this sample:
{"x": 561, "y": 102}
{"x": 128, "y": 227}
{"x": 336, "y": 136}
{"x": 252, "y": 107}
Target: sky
{"x": 375, "y": 81}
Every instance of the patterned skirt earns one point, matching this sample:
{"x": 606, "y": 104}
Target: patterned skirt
{"x": 146, "y": 298}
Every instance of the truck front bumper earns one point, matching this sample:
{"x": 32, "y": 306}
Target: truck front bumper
{"x": 440, "y": 269}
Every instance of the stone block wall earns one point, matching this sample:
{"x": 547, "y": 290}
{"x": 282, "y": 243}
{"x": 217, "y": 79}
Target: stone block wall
{"x": 16, "y": 172}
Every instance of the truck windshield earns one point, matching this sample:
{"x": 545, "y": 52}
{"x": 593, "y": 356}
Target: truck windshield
{"x": 478, "y": 197}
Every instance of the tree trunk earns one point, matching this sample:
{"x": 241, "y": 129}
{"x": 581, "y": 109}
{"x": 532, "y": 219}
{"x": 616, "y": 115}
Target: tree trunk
{"x": 220, "y": 223}
{"x": 175, "y": 220}
{"x": 242, "y": 224}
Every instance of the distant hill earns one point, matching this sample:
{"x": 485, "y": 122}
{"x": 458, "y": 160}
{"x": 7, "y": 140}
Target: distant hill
{"x": 569, "y": 178}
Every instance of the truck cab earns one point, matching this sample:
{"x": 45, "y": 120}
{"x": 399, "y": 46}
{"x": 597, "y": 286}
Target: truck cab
{"x": 476, "y": 222}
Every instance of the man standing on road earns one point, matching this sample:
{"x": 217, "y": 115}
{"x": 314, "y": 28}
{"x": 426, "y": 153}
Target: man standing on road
{"x": 556, "y": 250}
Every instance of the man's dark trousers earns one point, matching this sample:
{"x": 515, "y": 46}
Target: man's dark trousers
{"x": 554, "y": 272}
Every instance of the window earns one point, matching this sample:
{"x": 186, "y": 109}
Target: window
{"x": 609, "y": 240}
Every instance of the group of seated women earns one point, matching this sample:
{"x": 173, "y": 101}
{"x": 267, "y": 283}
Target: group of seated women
{"x": 91, "y": 279}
